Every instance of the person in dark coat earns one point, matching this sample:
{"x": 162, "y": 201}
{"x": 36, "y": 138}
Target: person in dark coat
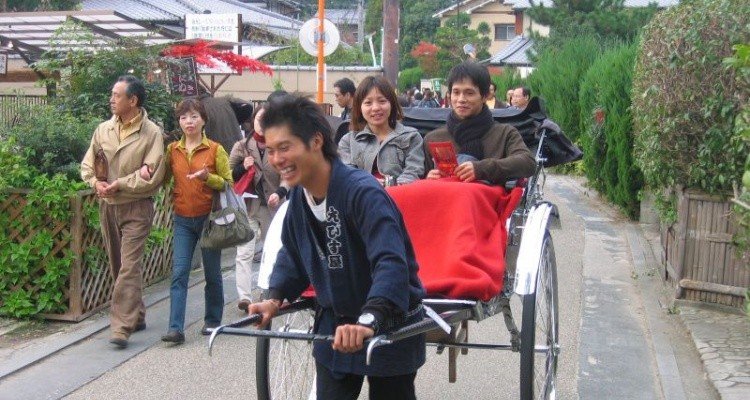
{"x": 222, "y": 125}
{"x": 487, "y": 150}
{"x": 344, "y": 235}
{"x": 343, "y": 92}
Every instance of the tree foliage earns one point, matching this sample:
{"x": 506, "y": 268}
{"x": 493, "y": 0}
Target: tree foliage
{"x": 687, "y": 104}
{"x": 451, "y": 38}
{"x": 86, "y": 77}
{"x": 508, "y": 79}
{"x": 295, "y": 55}
{"x": 607, "y": 18}
{"x": 607, "y": 128}
{"x": 409, "y": 77}
{"x": 557, "y": 78}
{"x": 39, "y": 5}
{"x": 417, "y": 24}
{"x": 426, "y": 55}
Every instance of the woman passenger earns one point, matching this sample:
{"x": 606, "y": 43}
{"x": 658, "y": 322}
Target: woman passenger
{"x": 200, "y": 168}
{"x": 378, "y": 142}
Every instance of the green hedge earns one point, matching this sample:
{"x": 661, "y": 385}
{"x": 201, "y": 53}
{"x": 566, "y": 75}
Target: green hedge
{"x": 608, "y": 143}
{"x": 685, "y": 102}
{"x": 409, "y": 77}
{"x": 55, "y": 139}
{"x": 509, "y": 79}
{"x": 24, "y": 291}
{"x": 556, "y": 79}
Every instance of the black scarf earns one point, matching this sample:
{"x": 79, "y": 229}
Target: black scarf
{"x": 468, "y": 133}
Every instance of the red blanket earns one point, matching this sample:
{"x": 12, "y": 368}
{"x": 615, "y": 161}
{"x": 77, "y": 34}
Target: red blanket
{"x": 458, "y": 233}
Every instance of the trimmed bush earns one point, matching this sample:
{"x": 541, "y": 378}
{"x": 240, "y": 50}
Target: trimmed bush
{"x": 509, "y": 79}
{"x": 557, "y": 77}
{"x": 409, "y": 77}
{"x": 55, "y": 139}
{"x": 685, "y": 102}
{"x": 607, "y": 137}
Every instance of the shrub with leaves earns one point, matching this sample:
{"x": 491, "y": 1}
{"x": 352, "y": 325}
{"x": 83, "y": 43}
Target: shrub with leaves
{"x": 451, "y": 38}
{"x": 426, "y": 55}
{"x": 295, "y": 55}
{"x": 410, "y": 77}
{"x": 509, "y": 79}
{"x": 32, "y": 279}
{"x": 685, "y": 102}
{"x": 558, "y": 74}
{"x": 55, "y": 139}
{"x": 740, "y": 61}
{"x": 42, "y": 154}
{"x": 86, "y": 77}
{"x": 607, "y": 134}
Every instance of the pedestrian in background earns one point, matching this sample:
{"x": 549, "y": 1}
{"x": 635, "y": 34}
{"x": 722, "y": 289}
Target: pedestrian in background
{"x": 521, "y": 97}
{"x": 492, "y": 100}
{"x": 343, "y": 93}
{"x": 120, "y": 149}
{"x": 250, "y": 154}
{"x": 200, "y": 168}
{"x": 223, "y": 124}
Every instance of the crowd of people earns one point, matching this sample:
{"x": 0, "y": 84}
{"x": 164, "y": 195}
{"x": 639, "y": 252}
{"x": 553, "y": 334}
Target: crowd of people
{"x": 342, "y": 233}
{"x": 427, "y": 98}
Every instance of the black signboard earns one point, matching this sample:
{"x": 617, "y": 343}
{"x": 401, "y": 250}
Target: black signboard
{"x": 182, "y": 76}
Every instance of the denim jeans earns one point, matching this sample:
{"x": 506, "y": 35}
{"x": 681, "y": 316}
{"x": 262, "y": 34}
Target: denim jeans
{"x": 187, "y": 233}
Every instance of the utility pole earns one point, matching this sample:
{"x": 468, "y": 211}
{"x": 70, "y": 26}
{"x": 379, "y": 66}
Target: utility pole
{"x": 321, "y": 45}
{"x": 361, "y": 24}
{"x": 390, "y": 39}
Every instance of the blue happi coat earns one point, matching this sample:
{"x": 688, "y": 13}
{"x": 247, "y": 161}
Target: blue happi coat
{"x": 367, "y": 254}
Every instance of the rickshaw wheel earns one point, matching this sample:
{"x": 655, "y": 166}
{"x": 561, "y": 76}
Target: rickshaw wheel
{"x": 285, "y": 369}
{"x": 539, "y": 330}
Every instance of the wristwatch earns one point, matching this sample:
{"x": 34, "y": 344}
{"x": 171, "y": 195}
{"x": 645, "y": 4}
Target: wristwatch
{"x": 368, "y": 320}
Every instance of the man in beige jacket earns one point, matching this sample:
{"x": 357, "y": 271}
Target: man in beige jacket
{"x": 123, "y": 151}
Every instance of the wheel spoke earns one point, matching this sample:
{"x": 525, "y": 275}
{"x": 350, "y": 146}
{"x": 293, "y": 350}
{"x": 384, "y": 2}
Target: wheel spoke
{"x": 291, "y": 366}
{"x": 541, "y": 364}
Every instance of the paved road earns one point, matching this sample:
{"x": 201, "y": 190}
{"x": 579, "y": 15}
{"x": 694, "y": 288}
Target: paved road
{"x": 607, "y": 331}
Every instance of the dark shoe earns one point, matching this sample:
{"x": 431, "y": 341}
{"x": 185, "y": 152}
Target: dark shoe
{"x": 243, "y": 305}
{"x": 140, "y": 327}
{"x": 119, "y": 340}
{"x": 174, "y": 337}
{"x": 205, "y": 330}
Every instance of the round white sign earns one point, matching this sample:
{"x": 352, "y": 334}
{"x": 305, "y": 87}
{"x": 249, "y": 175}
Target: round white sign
{"x": 308, "y": 34}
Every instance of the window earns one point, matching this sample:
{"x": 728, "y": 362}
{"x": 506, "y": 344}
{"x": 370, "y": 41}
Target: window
{"x": 505, "y": 31}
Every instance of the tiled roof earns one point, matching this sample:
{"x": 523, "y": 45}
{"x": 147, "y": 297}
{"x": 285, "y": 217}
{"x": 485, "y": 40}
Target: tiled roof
{"x": 464, "y": 7}
{"x": 514, "y": 53}
{"x": 342, "y": 16}
{"x": 143, "y": 10}
{"x": 31, "y": 32}
{"x": 175, "y": 10}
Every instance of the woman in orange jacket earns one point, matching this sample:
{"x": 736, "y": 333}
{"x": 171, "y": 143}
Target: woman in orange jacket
{"x": 200, "y": 167}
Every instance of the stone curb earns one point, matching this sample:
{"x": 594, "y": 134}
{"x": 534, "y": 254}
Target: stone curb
{"x": 643, "y": 263}
{"x": 47, "y": 347}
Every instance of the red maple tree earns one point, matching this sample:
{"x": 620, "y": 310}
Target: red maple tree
{"x": 426, "y": 55}
{"x": 206, "y": 55}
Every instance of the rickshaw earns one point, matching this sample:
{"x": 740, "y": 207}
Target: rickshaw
{"x": 285, "y": 368}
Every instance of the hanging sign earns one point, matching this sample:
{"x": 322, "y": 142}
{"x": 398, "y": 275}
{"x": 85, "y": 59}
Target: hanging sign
{"x": 182, "y": 76}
